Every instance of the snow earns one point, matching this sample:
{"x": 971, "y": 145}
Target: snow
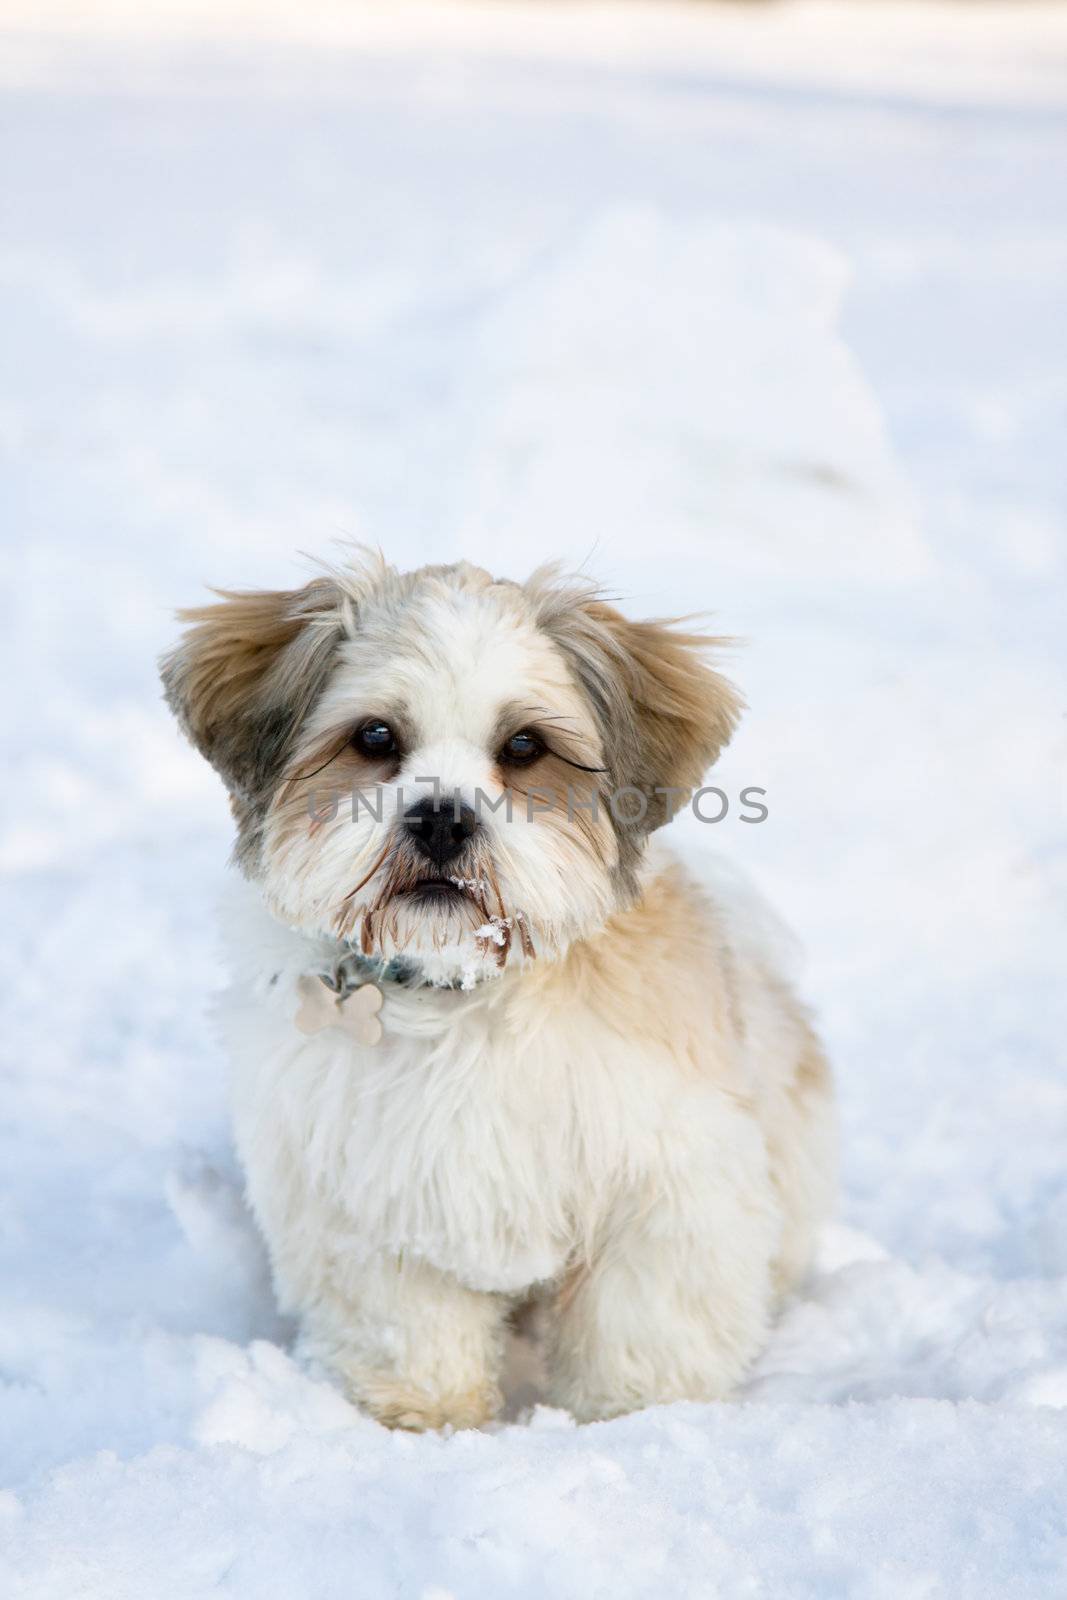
{"x": 753, "y": 308}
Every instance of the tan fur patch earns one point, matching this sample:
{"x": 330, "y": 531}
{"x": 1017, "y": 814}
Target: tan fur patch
{"x": 667, "y": 944}
{"x": 813, "y": 1070}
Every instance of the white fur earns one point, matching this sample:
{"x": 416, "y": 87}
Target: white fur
{"x": 411, "y": 1192}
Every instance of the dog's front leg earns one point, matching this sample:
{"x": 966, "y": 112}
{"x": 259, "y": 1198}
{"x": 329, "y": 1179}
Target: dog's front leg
{"x": 414, "y": 1347}
{"x": 674, "y": 1300}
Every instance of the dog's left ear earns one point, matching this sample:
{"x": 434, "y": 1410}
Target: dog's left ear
{"x": 247, "y": 672}
{"x": 665, "y": 713}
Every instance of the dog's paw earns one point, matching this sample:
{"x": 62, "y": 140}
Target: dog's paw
{"x": 397, "y": 1404}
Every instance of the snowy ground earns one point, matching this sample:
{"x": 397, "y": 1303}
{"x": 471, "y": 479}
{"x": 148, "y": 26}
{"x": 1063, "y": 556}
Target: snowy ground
{"x": 756, "y": 309}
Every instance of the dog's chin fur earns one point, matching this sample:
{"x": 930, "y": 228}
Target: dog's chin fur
{"x": 601, "y": 1095}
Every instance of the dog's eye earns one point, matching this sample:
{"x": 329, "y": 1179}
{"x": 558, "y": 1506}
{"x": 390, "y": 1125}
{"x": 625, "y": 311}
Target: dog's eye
{"x": 375, "y": 738}
{"x": 520, "y": 749}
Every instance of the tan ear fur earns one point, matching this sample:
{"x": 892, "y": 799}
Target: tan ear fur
{"x": 663, "y": 712}
{"x": 684, "y": 712}
{"x": 246, "y": 673}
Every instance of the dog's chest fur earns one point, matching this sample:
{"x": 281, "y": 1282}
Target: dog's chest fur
{"x": 487, "y": 1133}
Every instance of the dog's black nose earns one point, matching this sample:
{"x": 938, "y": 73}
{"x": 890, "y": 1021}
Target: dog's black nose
{"x": 440, "y": 828}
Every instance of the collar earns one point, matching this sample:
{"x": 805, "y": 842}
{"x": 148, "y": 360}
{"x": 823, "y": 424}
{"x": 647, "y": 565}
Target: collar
{"x": 345, "y": 992}
{"x": 350, "y": 969}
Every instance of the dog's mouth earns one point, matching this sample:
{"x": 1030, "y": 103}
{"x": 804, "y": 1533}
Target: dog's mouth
{"x": 434, "y": 893}
{"x": 438, "y": 898}
{"x": 437, "y": 893}
{"x": 423, "y": 895}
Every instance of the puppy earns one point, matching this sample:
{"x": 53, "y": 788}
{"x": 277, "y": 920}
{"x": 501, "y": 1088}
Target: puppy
{"x": 488, "y": 1042}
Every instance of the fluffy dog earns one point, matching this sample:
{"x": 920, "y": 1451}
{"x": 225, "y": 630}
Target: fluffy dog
{"x": 489, "y": 1043}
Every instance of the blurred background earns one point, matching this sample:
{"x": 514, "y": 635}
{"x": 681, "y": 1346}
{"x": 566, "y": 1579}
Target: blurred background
{"x": 759, "y": 308}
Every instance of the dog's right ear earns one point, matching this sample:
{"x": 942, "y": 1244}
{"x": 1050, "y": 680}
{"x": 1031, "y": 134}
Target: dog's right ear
{"x": 247, "y": 672}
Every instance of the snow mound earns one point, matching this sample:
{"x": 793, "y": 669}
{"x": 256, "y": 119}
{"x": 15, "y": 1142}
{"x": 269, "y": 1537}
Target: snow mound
{"x": 682, "y": 387}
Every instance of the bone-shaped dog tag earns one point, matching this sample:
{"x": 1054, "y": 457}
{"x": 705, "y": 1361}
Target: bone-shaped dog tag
{"x": 356, "y": 1013}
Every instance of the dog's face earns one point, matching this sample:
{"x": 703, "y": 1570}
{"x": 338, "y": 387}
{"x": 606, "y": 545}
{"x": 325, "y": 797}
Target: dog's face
{"x": 443, "y": 765}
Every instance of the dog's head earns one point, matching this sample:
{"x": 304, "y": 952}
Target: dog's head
{"x": 442, "y": 764}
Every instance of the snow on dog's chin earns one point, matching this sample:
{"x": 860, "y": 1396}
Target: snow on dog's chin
{"x": 453, "y": 942}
